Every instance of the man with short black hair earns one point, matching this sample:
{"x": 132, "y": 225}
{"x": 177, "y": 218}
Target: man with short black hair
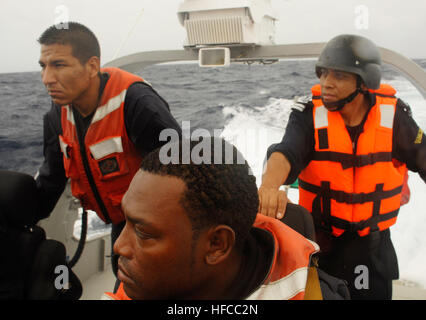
{"x": 192, "y": 232}
{"x": 101, "y": 124}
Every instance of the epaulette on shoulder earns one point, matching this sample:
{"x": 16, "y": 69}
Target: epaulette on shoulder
{"x": 404, "y": 107}
{"x": 300, "y": 103}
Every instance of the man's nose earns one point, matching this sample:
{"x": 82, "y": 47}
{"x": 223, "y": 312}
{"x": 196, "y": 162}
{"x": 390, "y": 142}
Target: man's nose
{"x": 47, "y": 76}
{"x": 326, "y": 79}
{"x": 122, "y": 245}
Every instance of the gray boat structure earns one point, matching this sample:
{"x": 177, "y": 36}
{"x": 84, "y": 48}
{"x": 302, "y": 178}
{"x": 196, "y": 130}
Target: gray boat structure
{"x": 219, "y": 32}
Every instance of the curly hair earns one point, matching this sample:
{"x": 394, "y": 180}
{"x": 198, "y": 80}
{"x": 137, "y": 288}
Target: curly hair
{"x": 82, "y": 40}
{"x": 216, "y": 193}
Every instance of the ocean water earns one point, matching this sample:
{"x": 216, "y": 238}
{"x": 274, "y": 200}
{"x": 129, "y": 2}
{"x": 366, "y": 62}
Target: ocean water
{"x": 250, "y": 106}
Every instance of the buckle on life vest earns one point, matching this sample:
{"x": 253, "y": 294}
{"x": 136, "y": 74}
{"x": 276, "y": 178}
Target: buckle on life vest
{"x": 353, "y": 227}
{"x": 348, "y": 226}
{"x": 350, "y": 160}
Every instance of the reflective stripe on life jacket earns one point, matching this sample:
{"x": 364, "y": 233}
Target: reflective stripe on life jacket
{"x": 101, "y": 169}
{"x": 288, "y": 274}
{"x": 353, "y": 190}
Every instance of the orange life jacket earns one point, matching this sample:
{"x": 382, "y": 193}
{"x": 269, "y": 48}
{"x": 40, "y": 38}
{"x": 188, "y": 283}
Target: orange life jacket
{"x": 101, "y": 169}
{"x": 288, "y": 273}
{"x": 353, "y": 191}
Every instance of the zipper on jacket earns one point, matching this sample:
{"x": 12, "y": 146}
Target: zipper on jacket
{"x": 93, "y": 184}
{"x": 89, "y": 175}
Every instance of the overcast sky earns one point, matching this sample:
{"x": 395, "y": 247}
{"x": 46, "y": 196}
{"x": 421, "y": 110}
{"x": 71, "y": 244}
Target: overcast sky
{"x": 128, "y": 26}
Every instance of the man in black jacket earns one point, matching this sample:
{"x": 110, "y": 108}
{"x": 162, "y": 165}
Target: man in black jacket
{"x": 101, "y": 124}
{"x": 352, "y": 144}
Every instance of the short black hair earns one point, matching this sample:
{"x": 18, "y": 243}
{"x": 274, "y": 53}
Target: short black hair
{"x": 82, "y": 40}
{"x": 216, "y": 193}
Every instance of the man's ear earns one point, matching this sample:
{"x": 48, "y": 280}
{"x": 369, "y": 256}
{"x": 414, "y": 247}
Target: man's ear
{"x": 220, "y": 242}
{"x": 94, "y": 66}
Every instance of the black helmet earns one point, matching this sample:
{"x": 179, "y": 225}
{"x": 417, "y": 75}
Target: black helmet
{"x": 354, "y": 54}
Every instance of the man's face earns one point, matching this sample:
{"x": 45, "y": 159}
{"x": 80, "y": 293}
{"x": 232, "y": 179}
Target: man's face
{"x": 157, "y": 257}
{"x": 336, "y": 85}
{"x": 65, "y": 78}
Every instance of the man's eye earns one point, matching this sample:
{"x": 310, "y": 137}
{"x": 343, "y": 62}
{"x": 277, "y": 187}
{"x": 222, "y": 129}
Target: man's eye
{"x": 323, "y": 72}
{"x": 142, "y": 235}
{"x": 340, "y": 75}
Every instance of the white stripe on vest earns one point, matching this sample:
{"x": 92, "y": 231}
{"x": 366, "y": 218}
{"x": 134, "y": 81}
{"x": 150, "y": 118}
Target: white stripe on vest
{"x": 112, "y": 105}
{"x": 70, "y": 115}
{"x": 321, "y": 117}
{"x": 63, "y": 147}
{"x": 106, "y": 147}
{"x": 284, "y": 288}
{"x": 387, "y": 113}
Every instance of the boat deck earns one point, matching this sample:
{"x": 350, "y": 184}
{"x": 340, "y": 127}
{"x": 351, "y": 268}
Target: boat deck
{"x": 98, "y": 284}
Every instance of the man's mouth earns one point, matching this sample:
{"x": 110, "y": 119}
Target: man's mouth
{"x": 328, "y": 97}
{"x": 55, "y": 94}
{"x": 123, "y": 275}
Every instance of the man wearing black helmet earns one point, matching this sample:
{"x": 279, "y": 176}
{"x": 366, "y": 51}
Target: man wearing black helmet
{"x": 350, "y": 145}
